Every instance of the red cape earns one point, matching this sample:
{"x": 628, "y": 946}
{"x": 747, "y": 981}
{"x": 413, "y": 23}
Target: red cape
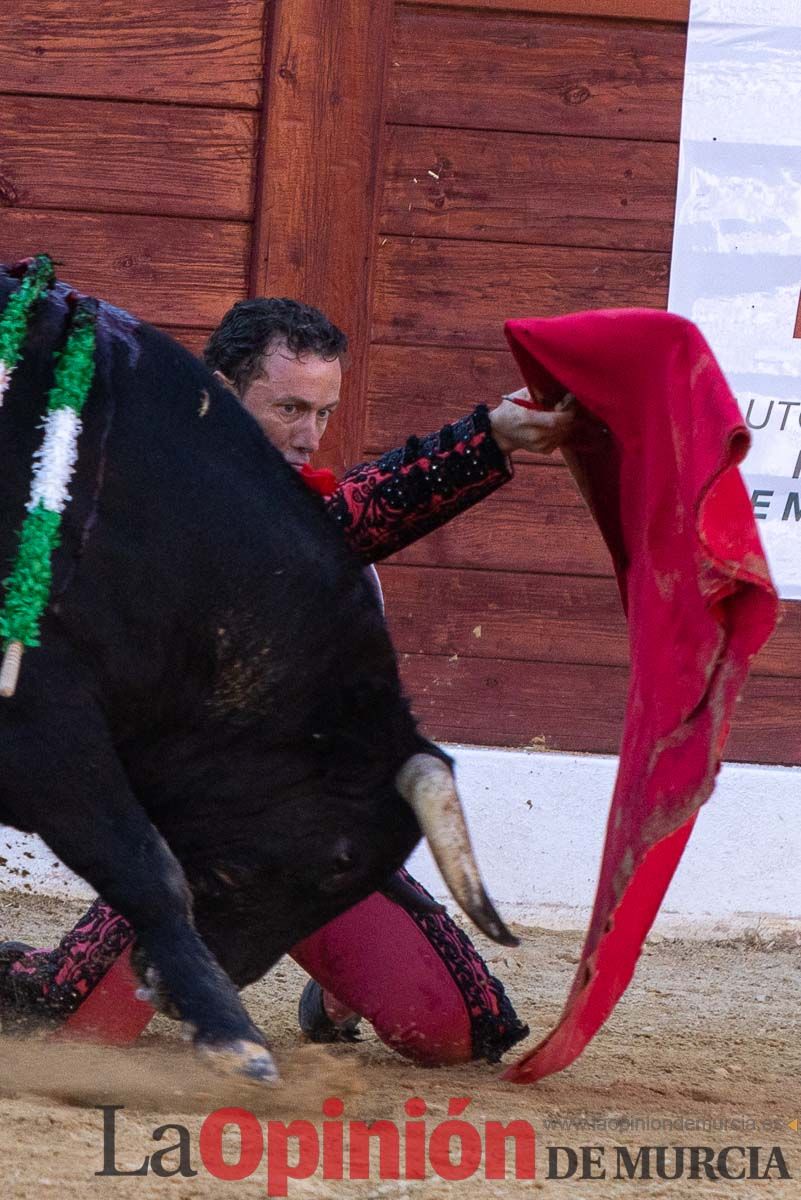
{"x": 658, "y": 467}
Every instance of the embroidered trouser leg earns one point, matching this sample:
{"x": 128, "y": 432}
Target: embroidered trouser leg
{"x": 416, "y": 977}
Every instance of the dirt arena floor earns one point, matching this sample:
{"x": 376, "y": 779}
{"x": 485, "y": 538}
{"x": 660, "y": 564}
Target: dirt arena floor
{"x": 703, "y": 1050}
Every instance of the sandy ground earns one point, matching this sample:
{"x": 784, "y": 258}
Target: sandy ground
{"x": 706, "y": 1039}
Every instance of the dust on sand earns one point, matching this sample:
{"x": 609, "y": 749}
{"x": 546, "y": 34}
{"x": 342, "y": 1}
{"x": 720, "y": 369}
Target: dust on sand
{"x": 703, "y": 1050}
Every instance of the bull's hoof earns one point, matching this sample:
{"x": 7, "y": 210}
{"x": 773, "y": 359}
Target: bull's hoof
{"x": 247, "y": 1059}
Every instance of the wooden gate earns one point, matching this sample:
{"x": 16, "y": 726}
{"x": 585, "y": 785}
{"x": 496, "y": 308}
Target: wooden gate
{"x": 421, "y": 171}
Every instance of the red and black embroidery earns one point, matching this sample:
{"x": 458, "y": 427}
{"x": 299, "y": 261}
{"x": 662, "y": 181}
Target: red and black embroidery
{"x": 494, "y": 1024}
{"x": 55, "y": 982}
{"x": 384, "y": 506}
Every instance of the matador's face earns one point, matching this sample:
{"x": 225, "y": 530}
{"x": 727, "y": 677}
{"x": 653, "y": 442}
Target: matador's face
{"x": 292, "y": 399}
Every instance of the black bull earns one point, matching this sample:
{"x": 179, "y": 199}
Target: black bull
{"x": 211, "y": 730}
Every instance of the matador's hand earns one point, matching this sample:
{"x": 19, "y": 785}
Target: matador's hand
{"x": 518, "y": 428}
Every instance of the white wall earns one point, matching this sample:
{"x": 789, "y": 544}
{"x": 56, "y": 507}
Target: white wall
{"x": 538, "y": 822}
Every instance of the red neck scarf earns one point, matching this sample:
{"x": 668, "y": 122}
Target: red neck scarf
{"x": 323, "y": 482}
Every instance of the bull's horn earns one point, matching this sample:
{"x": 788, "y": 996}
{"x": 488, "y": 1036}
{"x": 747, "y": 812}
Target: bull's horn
{"x": 427, "y": 785}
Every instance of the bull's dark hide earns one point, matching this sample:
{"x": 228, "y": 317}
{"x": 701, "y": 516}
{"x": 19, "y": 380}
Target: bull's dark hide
{"x": 214, "y": 673}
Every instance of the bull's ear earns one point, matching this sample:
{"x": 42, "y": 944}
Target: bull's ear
{"x": 225, "y": 381}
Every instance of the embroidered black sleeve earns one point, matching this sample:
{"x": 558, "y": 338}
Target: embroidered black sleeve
{"x": 386, "y": 505}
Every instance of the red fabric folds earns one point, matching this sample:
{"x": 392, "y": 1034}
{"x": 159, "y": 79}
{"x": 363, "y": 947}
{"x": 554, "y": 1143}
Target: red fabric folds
{"x": 657, "y": 463}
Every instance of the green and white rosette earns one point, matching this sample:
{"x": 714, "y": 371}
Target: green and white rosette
{"x": 27, "y": 589}
{"x": 37, "y": 279}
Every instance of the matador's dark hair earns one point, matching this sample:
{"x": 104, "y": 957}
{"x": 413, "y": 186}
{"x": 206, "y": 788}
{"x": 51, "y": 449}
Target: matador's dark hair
{"x": 251, "y": 327}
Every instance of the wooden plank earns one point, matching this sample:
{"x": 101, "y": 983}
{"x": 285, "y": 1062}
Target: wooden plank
{"x": 320, "y": 176}
{"x": 139, "y": 158}
{"x": 548, "y": 618}
{"x": 520, "y": 528}
{"x": 416, "y": 389}
{"x": 484, "y": 702}
{"x": 562, "y": 706}
{"x": 530, "y": 188}
{"x": 622, "y": 10}
{"x": 766, "y": 727}
{"x": 505, "y": 615}
{"x": 163, "y": 269}
{"x": 434, "y": 292}
{"x": 476, "y": 70}
{"x": 187, "y": 51}
{"x": 780, "y": 656}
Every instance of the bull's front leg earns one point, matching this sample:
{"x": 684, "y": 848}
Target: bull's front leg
{"x": 60, "y": 777}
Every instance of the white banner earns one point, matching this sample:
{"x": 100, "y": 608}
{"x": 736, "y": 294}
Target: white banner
{"x": 736, "y": 268}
